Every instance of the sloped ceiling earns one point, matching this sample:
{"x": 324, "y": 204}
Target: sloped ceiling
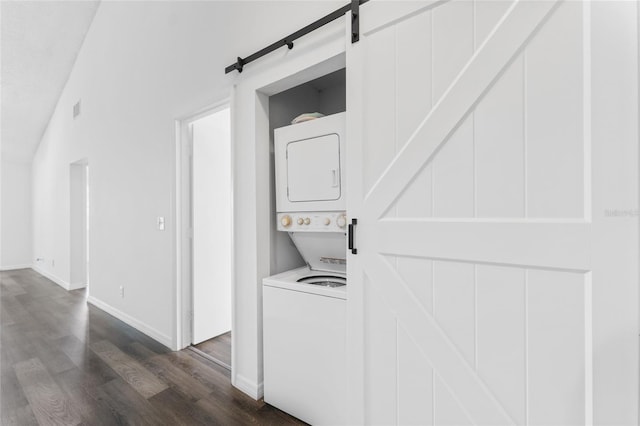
{"x": 39, "y": 42}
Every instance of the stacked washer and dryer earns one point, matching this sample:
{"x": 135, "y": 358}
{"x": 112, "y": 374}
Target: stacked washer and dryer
{"x": 304, "y": 310}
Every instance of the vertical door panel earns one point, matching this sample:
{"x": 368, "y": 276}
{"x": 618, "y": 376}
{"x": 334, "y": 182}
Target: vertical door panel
{"x": 413, "y": 102}
{"x": 382, "y": 350}
{"x": 452, "y": 42}
{"x": 454, "y": 304}
{"x": 499, "y": 147}
{"x": 448, "y": 410}
{"x": 554, "y": 116}
{"x": 502, "y": 336}
{"x": 415, "y": 383}
{"x": 418, "y": 275}
{"x": 380, "y": 106}
{"x": 556, "y": 347}
{"x": 453, "y": 174}
{"x": 487, "y": 15}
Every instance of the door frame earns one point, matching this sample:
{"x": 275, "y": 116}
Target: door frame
{"x": 252, "y": 239}
{"x": 183, "y": 332}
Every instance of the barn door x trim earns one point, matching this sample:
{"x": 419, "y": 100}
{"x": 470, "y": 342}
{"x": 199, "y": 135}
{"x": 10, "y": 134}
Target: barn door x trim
{"x": 382, "y": 236}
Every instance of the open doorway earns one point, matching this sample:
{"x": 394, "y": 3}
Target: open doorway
{"x": 79, "y": 224}
{"x": 206, "y": 222}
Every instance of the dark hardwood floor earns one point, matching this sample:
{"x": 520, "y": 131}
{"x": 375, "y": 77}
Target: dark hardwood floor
{"x": 63, "y": 362}
{"x": 219, "y": 348}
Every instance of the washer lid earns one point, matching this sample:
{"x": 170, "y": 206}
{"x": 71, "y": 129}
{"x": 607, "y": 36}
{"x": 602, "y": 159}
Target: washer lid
{"x": 323, "y": 251}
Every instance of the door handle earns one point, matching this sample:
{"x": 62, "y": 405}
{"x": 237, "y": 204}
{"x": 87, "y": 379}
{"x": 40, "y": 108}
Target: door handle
{"x": 334, "y": 178}
{"x": 352, "y": 236}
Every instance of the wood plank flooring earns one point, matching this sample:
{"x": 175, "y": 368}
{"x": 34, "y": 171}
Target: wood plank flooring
{"x": 63, "y": 362}
{"x": 219, "y": 347}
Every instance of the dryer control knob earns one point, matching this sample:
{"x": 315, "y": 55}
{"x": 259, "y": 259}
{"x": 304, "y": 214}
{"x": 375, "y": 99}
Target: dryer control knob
{"x": 342, "y": 221}
{"x": 307, "y": 221}
{"x": 327, "y": 221}
{"x": 300, "y": 221}
{"x": 285, "y": 221}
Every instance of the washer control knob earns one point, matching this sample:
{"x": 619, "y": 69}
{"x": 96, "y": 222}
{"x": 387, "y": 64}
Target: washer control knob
{"x": 327, "y": 221}
{"x": 307, "y": 221}
{"x": 300, "y": 221}
{"x": 285, "y": 221}
{"x": 341, "y": 221}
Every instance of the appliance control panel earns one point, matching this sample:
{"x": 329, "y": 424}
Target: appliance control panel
{"x": 312, "y": 221}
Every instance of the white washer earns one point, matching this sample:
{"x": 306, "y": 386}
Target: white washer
{"x": 305, "y": 346}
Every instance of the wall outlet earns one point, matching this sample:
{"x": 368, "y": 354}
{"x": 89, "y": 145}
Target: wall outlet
{"x": 53, "y": 263}
{"x": 122, "y": 291}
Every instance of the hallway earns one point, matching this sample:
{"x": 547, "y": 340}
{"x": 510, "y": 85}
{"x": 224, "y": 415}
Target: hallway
{"x": 66, "y": 362}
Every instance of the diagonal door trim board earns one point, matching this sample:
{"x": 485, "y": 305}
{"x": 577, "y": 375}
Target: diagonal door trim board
{"x": 515, "y": 28}
{"x": 479, "y": 403}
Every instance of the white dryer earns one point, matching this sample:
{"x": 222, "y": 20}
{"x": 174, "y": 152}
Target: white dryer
{"x": 310, "y": 190}
{"x": 309, "y": 160}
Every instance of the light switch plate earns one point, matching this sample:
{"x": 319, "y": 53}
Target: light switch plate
{"x": 161, "y": 223}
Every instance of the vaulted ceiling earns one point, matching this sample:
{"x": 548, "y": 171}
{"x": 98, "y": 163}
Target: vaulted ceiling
{"x": 39, "y": 43}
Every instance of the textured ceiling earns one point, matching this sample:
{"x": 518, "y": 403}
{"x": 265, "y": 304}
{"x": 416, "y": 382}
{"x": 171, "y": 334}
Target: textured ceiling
{"x": 39, "y": 42}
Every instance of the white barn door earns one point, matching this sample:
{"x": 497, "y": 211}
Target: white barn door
{"x": 493, "y": 169}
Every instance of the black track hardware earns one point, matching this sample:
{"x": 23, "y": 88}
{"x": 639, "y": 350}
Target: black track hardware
{"x": 353, "y": 7}
{"x": 352, "y": 236}
{"x": 355, "y": 21}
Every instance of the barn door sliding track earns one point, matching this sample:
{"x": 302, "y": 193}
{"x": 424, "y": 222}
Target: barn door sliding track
{"x": 353, "y": 7}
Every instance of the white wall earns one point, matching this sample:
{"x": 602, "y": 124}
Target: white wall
{"x": 143, "y": 65}
{"x": 78, "y": 225}
{"x": 15, "y": 215}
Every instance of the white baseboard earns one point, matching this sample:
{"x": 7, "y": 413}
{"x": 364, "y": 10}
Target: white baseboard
{"x": 254, "y": 390}
{"x": 14, "y": 267}
{"x": 137, "y": 324}
{"x": 62, "y": 283}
